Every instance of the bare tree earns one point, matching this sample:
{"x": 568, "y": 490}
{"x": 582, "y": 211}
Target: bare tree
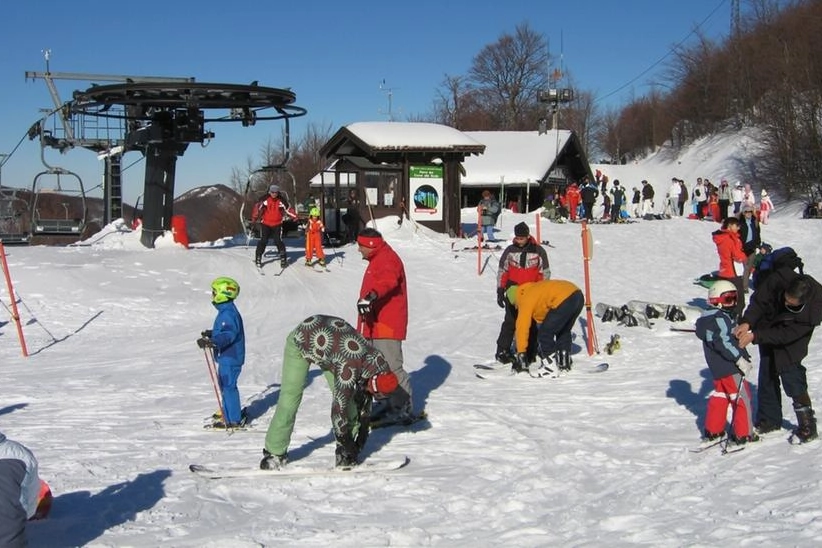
{"x": 509, "y": 73}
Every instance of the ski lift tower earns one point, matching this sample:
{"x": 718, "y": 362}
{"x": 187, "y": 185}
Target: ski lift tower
{"x": 162, "y": 118}
{"x": 71, "y": 130}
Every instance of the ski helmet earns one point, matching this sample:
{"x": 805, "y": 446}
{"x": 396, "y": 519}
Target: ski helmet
{"x": 224, "y": 289}
{"x": 722, "y": 294}
{"x": 314, "y": 212}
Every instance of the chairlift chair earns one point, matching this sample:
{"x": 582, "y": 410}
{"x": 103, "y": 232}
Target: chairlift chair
{"x": 50, "y": 223}
{"x": 14, "y": 218}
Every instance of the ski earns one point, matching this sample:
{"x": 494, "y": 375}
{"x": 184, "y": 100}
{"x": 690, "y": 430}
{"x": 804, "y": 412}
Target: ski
{"x": 297, "y": 470}
{"x": 496, "y": 370}
{"x": 378, "y": 423}
{"x": 683, "y": 329}
{"x": 493, "y": 370}
{"x": 705, "y": 445}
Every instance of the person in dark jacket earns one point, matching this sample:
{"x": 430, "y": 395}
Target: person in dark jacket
{"x": 647, "y": 199}
{"x": 728, "y": 364}
{"x": 589, "y": 194}
{"x": 19, "y": 491}
{"x": 226, "y": 339}
{"x": 749, "y": 234}
{"x": 784, "y": 311}
{"x": 523, "y": 261}
{"x": 355, "y": 371}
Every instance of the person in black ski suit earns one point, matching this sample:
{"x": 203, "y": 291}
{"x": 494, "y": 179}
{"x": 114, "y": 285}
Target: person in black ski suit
{"x": 784, "y": 311}
{"x": 589, "y": 194}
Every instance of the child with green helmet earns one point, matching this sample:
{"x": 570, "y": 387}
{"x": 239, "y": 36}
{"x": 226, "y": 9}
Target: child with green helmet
{"x": 226, "y": 339}
{"x": 314, "y": 230}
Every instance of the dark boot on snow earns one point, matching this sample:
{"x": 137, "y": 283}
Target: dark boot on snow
{"x": 806, "y": 429}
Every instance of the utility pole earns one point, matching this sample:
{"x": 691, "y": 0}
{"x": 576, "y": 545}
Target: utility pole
{"x": 2, "y": 161}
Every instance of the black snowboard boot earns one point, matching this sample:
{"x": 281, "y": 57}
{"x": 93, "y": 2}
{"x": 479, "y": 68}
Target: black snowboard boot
{"x": 564, "y": 360}
{"x": 806, "y": 429}
{"x": 504, "y": 356}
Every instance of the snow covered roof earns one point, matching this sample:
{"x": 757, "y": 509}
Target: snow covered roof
{"x": 515, "y": 157}
{"x": 375, "y": 137}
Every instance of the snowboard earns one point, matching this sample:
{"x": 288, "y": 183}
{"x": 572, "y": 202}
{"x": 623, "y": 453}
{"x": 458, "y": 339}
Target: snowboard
{"x": 670, "y": 312}
{"x": 377, "y": 423}
{"x": 296, "y": 470}
{"x": 497, "y": 370}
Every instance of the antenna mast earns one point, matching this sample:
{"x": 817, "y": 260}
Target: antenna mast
{"x": 390, "y": 93}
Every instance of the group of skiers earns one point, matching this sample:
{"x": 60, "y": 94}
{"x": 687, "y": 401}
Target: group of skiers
{"x": 584, "y": 199}
{"x": 361, "y": 364}
{"x": 785, "y": 308}
{"x": 540, "y": 313}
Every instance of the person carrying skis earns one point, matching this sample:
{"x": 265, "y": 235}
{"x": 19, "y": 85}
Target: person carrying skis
{"x": 270, "y": 212}
{"x": 226, "y": 339}
{"x": 729, "y": 365}
{"x": 355, "y": 371}
{"x": 784, "y": 311}
{"x": 523, "y": 261}
{"x": 383, "y": 318}
{"x": 555, "y": 305}
{"x": 314, "y": 231}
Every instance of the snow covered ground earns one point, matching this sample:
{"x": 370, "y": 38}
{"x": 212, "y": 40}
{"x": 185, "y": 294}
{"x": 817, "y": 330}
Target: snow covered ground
{"x": 113, "y": 396}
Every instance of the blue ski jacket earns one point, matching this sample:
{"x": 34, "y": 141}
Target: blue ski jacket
{"x": 720, "y": 347}
{"x": 228, "y": 335}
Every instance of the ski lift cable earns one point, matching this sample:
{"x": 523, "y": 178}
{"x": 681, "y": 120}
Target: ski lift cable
{"x": 671, "y": 50}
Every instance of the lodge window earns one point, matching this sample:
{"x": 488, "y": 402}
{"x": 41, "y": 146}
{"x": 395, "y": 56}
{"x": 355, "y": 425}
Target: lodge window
{"x": 381, "y": 188}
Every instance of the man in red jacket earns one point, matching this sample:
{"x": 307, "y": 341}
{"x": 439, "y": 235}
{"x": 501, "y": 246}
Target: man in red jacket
{"x": 383, "y": 317}
{"x": 270, "y": 213}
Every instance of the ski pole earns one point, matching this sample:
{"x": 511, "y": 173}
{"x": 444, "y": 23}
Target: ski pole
{"x": 733, "y": 412}
{"x": 212, "y": 372}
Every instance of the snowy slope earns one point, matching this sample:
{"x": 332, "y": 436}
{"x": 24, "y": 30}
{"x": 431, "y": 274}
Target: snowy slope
{"x": 113, "y": 397}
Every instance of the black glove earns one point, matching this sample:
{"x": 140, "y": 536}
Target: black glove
{"x": 206, "y": 334}
{"x": 364, "y": 304}
{"x": 521, "y": 361}
{"x": 501, "y": 297}
{"x": 205, "y": 342}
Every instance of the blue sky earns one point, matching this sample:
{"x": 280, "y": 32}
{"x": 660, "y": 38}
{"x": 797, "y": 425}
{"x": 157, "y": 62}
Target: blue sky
{"x": 333, "y": 55}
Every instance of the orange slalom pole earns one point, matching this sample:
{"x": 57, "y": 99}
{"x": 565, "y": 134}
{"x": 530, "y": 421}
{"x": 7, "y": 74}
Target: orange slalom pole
{"x": 587, "y": 255}
{"x": 539, "y": 228}
{"x": 14, "y": 314}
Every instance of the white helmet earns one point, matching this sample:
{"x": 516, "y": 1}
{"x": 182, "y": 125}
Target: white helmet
{"x": 722, "y": 294}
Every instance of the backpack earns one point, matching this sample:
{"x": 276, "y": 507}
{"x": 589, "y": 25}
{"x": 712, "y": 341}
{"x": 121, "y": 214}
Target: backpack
{"x": 784, "y": 257}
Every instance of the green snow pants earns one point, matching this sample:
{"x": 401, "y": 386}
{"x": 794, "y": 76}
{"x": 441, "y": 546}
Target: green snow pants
{"x": 292, "y": 385}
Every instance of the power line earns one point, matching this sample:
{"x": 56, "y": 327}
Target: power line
{"x": 670, "y": 51}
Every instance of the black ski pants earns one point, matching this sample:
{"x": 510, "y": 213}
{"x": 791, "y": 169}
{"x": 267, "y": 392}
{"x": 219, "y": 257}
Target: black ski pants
{"x": 276, "y": 234}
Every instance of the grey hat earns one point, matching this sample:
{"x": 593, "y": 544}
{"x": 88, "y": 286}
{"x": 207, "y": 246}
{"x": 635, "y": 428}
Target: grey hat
{"x": 747, "y": 207}
{"x": 274, "y": 188}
